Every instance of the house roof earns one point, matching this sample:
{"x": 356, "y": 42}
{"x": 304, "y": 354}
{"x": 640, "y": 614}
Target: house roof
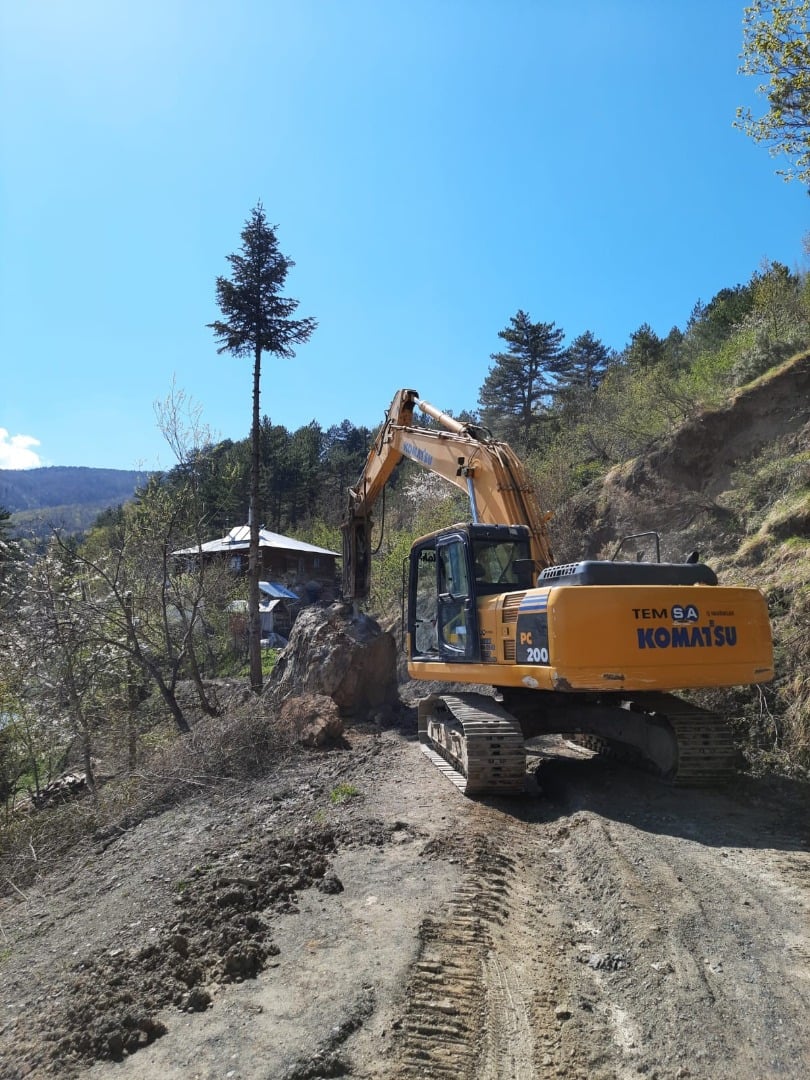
{"x": 238, "y": 539}
{"x": 276, "y": 591}
{"x": 272, "y": 596}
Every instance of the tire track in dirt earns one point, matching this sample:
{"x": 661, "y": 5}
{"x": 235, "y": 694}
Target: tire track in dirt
{"x": 440, "y": 1033}
{"x": 677, "y": 942}
{"x": 534, "y": 950}
{"x": 653, "y": 932}
{"x": 487, "y": 996}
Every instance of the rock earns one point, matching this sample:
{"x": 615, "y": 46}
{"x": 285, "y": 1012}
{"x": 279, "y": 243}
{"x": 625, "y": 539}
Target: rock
{"x": 343, "y": 656}
{"x": 607, "y": 962}
{"x": 313, "y": 718}
{"x": 64, "y": 788}
{"x": 330, "y": 884}
{"x": 179, "y": 943}
{"x": 197, "y": 1000}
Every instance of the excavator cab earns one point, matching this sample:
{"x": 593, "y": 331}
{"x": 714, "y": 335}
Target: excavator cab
{"x": 449, "y": 571}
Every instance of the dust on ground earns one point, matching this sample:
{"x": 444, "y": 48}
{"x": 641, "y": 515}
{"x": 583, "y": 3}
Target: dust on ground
{"x": 353, "y": 915}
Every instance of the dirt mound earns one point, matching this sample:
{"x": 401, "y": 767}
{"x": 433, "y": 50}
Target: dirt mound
{"x": 219, "y": 934}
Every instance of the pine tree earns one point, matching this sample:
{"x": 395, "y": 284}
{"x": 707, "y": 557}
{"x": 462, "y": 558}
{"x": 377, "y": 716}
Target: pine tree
{"x": 257, "y": 319}
{"x": 645, "y": 350}
{"x": 513, "y": 393}
{"x": 583, "y": 364}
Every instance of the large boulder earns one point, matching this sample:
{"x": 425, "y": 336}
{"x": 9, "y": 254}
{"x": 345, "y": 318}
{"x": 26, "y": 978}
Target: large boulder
{"x": 347, "y": 657}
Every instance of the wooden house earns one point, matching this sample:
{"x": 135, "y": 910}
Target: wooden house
{"x": 303, "y": 573}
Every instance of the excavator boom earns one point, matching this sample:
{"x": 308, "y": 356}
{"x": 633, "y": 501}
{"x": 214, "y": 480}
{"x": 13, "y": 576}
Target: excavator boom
{"x": 487, "y": 470}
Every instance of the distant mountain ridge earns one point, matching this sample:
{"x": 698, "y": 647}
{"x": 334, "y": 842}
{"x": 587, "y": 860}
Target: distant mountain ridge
{"x": 66, "y": 485}
{"x": 64, "y": 497}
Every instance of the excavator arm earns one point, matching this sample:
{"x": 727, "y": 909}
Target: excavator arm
{"x": 489, "y": 472}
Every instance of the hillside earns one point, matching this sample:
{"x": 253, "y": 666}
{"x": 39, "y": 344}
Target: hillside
{"x": 682, "y": 487}
{"x": 67, "y": 497}
{"x": 733, "y": 484}
{"x": 60, "y": 485}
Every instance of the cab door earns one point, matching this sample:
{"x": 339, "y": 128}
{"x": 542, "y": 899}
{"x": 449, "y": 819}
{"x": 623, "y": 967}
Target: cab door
{"x": 457, "y": 621}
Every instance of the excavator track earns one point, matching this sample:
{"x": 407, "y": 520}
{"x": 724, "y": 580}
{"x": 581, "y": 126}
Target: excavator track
{"x": 474, "y": 742}
{"x": 704, "y": 745}
{"x": 706, "y": 750}
{"x": 479, "y": 746}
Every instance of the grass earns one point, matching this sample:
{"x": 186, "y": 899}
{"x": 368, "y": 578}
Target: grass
{"x": 342, "y": 793}
{"x": 269, "y": 661}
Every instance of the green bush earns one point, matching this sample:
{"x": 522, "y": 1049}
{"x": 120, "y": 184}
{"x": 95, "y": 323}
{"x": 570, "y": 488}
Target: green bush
{"x": 342, "y": 793}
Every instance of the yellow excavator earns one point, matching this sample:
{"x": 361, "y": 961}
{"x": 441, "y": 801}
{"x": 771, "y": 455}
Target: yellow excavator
{"x": 590, "y": 650}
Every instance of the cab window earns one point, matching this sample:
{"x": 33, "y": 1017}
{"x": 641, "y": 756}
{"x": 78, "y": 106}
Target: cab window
{"x": 456, "y": 609}
{"x": 425, "y": 603}
{"x": 501, "y": 565}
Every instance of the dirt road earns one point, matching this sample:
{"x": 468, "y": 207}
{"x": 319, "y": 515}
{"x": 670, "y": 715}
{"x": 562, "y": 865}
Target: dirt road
{"x": 354, "y": 915}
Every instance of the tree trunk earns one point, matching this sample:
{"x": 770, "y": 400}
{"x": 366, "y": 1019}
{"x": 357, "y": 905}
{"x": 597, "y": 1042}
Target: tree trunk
{"x": 196, "y": 678}
{"x": 84, "y": 731}
{"x": 254, "y": 567}
{"x": 132, "y": 696}
{"x": 87, "y": 756}
{"x": 153, "y": 671}
{"x": 171, "y": 701}
{"x": 132, "y": 725}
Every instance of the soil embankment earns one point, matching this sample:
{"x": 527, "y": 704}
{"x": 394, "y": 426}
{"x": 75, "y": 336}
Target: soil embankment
{"x": 676, "y": 487}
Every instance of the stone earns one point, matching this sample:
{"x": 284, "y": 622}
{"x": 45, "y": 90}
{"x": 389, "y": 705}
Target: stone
{"x": 342, "y": 655}
{"x": 314, "y": 719}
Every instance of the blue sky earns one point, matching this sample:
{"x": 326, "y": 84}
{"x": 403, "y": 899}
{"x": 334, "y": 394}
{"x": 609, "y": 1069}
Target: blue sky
{"x": 432, "y": 166}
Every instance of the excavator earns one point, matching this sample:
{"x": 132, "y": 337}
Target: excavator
{"x": 589, "y": 650}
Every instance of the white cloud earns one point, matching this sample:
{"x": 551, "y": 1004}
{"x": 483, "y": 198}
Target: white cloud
{"x": 16, "y": 452}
